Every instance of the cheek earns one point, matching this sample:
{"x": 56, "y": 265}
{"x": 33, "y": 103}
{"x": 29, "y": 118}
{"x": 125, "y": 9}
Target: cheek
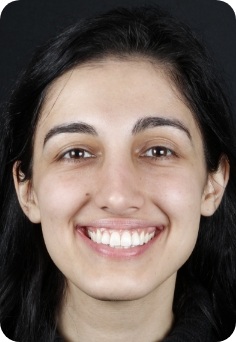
{"x": 177, "y": 191}
{"x": 60, "y": 194}
{"x": 179, "y": 198}
{"x": 59, "y": 199}
{"x": 178, "y": 195}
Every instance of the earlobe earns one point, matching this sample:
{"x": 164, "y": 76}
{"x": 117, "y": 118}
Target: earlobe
{"x": 215, "y": 188}
{"x": 26, "y": 197}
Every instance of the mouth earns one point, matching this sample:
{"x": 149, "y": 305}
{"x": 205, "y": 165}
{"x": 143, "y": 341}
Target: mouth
{"x": 118, "y": 237}
{"x": 122, "y": 238}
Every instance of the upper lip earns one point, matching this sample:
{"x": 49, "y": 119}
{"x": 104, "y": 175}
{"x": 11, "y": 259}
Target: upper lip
{"x": 121, "y": 223}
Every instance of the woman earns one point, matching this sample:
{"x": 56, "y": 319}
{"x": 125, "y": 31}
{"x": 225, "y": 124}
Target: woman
{"x": 118, "y": 197}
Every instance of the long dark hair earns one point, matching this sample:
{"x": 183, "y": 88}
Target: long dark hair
{"x": 31, "y": 287}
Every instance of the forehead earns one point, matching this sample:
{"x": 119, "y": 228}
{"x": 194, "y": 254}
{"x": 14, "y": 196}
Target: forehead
{"x": 113, "y": 90}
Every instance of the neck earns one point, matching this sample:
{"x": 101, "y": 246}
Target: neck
{"x": 150, "y": 318}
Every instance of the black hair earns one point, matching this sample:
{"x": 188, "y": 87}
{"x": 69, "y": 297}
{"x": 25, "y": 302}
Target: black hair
{"x": 31, "y": 286}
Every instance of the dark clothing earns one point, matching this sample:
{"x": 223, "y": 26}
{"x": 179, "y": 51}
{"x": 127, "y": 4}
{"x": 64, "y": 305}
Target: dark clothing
{"x": 195, "y": 328}
{"x": 193, "y": 325}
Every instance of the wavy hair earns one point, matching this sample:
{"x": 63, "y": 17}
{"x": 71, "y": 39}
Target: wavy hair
{"x": 31, "y": 287}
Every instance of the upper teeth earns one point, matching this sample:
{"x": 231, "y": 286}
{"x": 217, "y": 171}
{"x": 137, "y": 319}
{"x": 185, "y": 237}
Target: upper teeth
{"x": 120, "y": 238}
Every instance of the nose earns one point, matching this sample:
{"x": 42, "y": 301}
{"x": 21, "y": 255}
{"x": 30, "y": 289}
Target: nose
{"x": 119, "y": 191}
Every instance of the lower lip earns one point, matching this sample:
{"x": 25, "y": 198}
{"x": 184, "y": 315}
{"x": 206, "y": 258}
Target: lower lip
{"x": 117, "y": 253}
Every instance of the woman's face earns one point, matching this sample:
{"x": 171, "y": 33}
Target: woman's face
{"x": 119, "y": 178}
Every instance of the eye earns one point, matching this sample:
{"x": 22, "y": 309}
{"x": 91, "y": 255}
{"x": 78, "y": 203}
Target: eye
{"x": 159, "y": 152}
{"x": 77, "y": 153}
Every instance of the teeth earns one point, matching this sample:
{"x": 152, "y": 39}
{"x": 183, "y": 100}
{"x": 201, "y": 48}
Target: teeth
{"x": 118, "y": 239}
{"x": 105, "y": 238}
{"x": 135, "y": 239}
{"x": 94, "y": 236}
{"x": 142, "y": 238}
{"x": 146, "y": 238}
{"x": 99, "y": 236}
{"x": 115, "y": 239}
{"x": 126, "y": 240}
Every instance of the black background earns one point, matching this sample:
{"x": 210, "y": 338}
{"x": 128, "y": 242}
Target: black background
{"x": 26, "y": 24}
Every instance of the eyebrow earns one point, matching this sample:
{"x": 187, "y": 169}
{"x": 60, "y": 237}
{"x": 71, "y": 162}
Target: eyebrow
{"x": 141, "y": 125}
{"x": 154, "y": 121}
{"x": 74, "y": 127}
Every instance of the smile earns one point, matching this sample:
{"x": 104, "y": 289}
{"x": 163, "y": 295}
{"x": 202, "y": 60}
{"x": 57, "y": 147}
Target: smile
{"x": 119, "y": 238}
{"x": 122, "y": 238}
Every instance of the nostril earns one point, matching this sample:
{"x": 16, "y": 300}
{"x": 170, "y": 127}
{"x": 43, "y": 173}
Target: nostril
{"x": 118, "y": 201}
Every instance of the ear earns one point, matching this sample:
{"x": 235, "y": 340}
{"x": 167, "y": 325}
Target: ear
{"x": 215, "y": 187}
{"x": 26, "y": 196}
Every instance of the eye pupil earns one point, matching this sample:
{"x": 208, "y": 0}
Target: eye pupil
{"x": 159, "y": 151}
{"x": 76, "y": 154}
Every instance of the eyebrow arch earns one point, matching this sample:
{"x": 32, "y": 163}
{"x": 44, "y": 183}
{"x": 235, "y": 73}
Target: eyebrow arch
{"x": 74, "y": 127}
{"x": 154, "y": 121}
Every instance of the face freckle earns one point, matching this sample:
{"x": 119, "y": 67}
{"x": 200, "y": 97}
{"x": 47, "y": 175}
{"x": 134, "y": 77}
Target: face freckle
{"x": 125, "y": 152}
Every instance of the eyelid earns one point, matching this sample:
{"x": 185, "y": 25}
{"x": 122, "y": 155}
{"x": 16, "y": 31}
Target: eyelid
{"x": 170, "y": 153}
{"x": 76, "y": 150}
{"x": 160, "y": 147}
{"x": 159, "y": 142}
{"x": 62, "y": 156}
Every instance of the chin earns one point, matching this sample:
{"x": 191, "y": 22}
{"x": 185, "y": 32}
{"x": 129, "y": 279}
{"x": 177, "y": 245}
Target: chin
{"x": 121, "y": 290}
{"x": 117, "y": 296}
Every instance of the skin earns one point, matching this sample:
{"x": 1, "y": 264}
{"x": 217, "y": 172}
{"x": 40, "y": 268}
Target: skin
{"x": 118, "y": 178}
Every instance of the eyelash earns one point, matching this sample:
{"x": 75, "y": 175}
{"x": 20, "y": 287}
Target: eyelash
{"x": 168, "y": 153}
{"x": 79, "y": 154}
{"x": 72, "y": 155}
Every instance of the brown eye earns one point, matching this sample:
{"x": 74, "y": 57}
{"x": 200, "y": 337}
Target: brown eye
{"x": 77, "y": 154}
{"x": 159, "y": 152}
